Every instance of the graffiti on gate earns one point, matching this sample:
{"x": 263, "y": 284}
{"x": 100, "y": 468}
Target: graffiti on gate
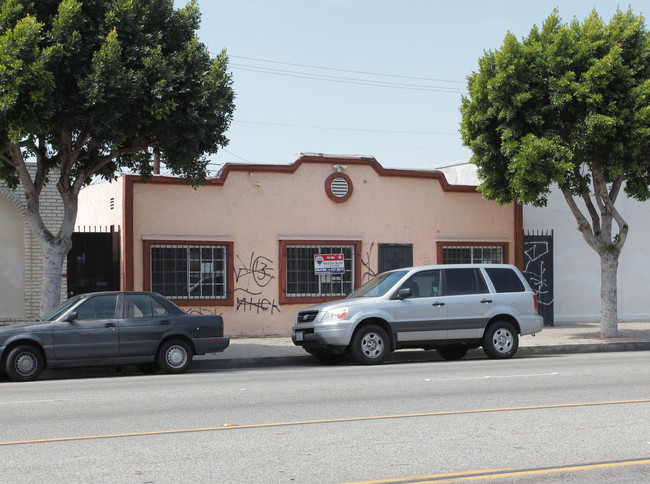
{"x": 536, "y": 270}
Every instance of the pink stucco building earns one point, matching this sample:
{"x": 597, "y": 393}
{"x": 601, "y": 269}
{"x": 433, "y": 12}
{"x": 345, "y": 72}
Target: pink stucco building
{"x": 246, "y": 245}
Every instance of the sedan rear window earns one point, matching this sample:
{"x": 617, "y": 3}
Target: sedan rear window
{"x": 505, "y": 280}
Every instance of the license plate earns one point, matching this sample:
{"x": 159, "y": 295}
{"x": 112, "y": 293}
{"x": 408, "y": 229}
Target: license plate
{"x": 299, "y": 336}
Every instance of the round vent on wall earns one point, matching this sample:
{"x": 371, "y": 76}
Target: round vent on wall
{"x": 338, "y": 187}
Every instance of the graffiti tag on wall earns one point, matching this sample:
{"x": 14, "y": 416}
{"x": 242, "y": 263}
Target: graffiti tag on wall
{"x": 252, "y": 276}
{"x": 368, "y": 273}
{"x": 203, "y": 312}
{"x": 256, "y": 304}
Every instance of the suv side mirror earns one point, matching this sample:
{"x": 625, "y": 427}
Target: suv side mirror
{"x": 404, "y": 293}
{"x": 71, "y": 317}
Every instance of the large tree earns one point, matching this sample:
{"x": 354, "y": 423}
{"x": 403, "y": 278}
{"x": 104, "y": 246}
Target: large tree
{"x": 91, "y": 87}
{"x": 567, "y": 106}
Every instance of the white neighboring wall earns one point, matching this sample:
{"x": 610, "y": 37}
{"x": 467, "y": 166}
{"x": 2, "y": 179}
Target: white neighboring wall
{"x": 12, "y": 261}
{"x": 20, "y": 299}
{"x": 576, "y": 266}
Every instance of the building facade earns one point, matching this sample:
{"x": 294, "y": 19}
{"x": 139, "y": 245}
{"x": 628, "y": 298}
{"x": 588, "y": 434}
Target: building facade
{"x": 260, "y": 242}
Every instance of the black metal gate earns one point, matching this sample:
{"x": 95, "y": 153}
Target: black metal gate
{"x": 94, "y": 262}
{"x": 394, "y": 256}
{"x": 538, "y": 270}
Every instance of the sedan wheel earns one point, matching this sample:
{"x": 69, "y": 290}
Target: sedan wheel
{"x": 25, "y": 363}
{"x": 175, "y": 356}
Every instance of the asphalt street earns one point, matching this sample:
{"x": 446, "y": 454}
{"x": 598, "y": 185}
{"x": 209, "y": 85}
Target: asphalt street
{"x": 581, "y": 417}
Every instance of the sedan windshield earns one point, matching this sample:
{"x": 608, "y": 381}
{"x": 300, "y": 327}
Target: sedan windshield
{"x": 60, "y": 309}
{"x": 379, "y": 285}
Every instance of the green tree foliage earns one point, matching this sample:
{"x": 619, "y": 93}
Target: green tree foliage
{"x": 569, "y": 105}
{"x": 91, "y": 87}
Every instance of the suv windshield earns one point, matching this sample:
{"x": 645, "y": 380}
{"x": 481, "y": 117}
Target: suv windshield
{"x": 379, "y": 285}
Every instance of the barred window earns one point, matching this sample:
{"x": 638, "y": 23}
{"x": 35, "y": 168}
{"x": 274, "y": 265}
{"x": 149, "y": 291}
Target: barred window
{"x": 302, "y": 280}
{"x": 472, "y": 254}
{"x": 189, "y": 271}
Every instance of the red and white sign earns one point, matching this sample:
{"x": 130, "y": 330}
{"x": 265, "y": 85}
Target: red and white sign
{"x": 329, "y": 264}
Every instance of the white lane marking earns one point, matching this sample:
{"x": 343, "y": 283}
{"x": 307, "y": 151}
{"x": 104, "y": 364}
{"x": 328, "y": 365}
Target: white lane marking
{"x": 22, "y": 402}
{"x": 487, "y": 377}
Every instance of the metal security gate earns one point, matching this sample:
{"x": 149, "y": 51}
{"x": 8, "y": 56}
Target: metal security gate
{"x": 94, "y": 262}
{"x": 538, "y": 270}
{"x": 394, "y": 256}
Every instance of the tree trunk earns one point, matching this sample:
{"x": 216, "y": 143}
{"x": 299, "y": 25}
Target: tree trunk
{"x": 598, "y": 235}
{"x": 55, "y": 248}
{"x": 608, "y": 294}
{"x": 54, "y": 254}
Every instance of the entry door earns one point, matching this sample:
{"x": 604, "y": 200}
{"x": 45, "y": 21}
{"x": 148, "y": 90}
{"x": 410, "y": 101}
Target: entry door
{"x": 394, "y": 256}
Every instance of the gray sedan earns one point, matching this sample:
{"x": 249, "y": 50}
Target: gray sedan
{"x": 107, "y": 328}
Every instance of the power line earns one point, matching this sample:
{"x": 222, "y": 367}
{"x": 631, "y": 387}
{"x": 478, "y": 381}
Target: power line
{"x": 388, "y": 131}
{"x": 233, "y": 154}
{"x": 347, "y": 70}
{"x": 344, "y": 80}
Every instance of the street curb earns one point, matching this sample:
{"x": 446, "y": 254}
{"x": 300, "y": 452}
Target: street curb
{"x": 306, "y": 360}
{"x": 418, "y": 356}
{"x": 586, "y": 348}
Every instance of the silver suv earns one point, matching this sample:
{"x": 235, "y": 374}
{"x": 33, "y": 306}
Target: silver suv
{"x": 449, "y": 308}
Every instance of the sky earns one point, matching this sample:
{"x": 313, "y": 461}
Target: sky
{"x": 361, "y": 77}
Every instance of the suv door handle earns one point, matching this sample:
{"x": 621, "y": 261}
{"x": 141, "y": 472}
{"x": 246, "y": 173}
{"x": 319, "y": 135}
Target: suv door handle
{"x": 438, "y": 303}
{"x": 110, "y": 325}
{"x": 165, "y": 322}
{"x": 486, "y": 301}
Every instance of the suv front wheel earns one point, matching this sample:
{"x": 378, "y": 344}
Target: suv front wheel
{"x": 370, "y": 345}
{"x": 500, "y": 340}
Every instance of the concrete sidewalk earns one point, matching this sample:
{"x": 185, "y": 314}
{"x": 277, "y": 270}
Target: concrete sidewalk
{"x": 273, "y": 351}
{"x": 559, "y": 339}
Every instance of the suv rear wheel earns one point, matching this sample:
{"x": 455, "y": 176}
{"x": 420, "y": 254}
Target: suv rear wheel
{"x": 370, "y": 345}
{"x": 500, "y": 340}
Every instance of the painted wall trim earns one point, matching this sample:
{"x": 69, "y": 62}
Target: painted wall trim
{"x": 221, "y": 178}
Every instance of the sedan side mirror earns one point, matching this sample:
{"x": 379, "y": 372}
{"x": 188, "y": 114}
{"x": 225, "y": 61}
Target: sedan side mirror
{"x": 71, "y": 317}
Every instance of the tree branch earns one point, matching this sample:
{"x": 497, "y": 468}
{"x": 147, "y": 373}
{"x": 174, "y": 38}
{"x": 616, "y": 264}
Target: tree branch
{"x": 601, "y": 194}
{"x": 41, "y": 169}
{"x": 81, "y": 141}
{"x": 608, "y": 202}
{"x": 593, "y": 213}
{"x": 85, "y": 174}
{"x": 616, "y": 189}
{"x": 31, "y": 194}
{"x": 7, "y": 159}
{"x": 583, "y": 223}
